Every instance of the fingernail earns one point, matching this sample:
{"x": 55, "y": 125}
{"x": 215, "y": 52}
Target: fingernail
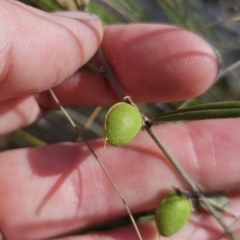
{"x": 78, "y": 15}
{"x": 219, "y": 63}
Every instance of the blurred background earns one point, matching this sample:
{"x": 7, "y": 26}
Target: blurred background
{"x": 216, "y": 20}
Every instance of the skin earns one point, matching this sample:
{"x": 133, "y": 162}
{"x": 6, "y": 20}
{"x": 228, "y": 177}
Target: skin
{"x": 54, "y": 189}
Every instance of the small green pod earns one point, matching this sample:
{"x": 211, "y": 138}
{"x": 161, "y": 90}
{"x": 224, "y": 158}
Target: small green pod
{"x": 122, "y": 123}
{"x": 172, "y": 214}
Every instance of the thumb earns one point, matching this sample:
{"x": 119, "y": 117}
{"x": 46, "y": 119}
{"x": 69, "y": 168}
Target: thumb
{"x": 39, "y": 50}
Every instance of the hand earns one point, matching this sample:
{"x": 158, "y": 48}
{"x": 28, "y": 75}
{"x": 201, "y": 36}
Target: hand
{"x": 55, "y": 189}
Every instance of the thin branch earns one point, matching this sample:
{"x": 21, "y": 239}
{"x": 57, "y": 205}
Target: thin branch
{"x": 82, "y": 5}
{"x": 210, "y": 209}
{"x": 232, "y": 225}
{"x": 92, "y": 117}
{"x": 173, "y": 162}
{"x": 221, "y": 208}
{"x": 98, "y": 160}
{"x": 198, "y": 193}
{"x": 192, "y": 185}
{"x": 109, "y": 74}
{"x": 116, "y": 188}
{"x": 62, "y": 108}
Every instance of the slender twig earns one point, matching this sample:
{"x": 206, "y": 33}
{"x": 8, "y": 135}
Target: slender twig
{"x": 85, "y": 4}
{"x": 210, "y": 209}
{"x": 232, "y": 225}
{"x": 229, "y": 69}
{"x": 82, "y": 5}
{"x": 116, "y": 188}
{"x": 176, "y": 165}
{"x": 221, "y": 208}
{"x": 192, "y": 185}
{"x": 80, "y": 136}
{"x": 92, "y": 117}
{"x": 111, "y": 77}
{"x": 198, "y": 193}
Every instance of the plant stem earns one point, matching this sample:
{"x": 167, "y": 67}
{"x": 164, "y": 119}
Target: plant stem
{"x": 109, "y": 74}
{"x": 92, "y": 117}
{"x": 210, "y": 209}
{"x": 173, "y": 162}
{"x": 188, "y": 180}
{"x": 80, "y": 136}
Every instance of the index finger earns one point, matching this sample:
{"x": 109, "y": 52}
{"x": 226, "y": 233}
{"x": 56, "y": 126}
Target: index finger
{"x": 152, "y": 63}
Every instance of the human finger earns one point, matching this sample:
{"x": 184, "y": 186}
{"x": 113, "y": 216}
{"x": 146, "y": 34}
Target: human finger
{"x": 40, "y": 50}
{"x": 18, "y": 112}
{"x": 59, "y": 188}
{"x": 152, "y": 63}
{"x": 175, "y": 65}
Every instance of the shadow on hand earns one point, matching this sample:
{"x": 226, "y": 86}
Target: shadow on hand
{"x": 60, "y": 159}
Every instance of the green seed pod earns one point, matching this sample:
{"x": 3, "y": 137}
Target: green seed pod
{"x": 172, "y": 214}
{"x": 122, "y": 124}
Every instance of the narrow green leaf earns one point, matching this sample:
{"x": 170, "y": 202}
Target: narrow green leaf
{"x": 47, "y": 5}
{"x": 174, "y": 13}
{"x": 229, "y": 109}
{"x": 25, "y": 138}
